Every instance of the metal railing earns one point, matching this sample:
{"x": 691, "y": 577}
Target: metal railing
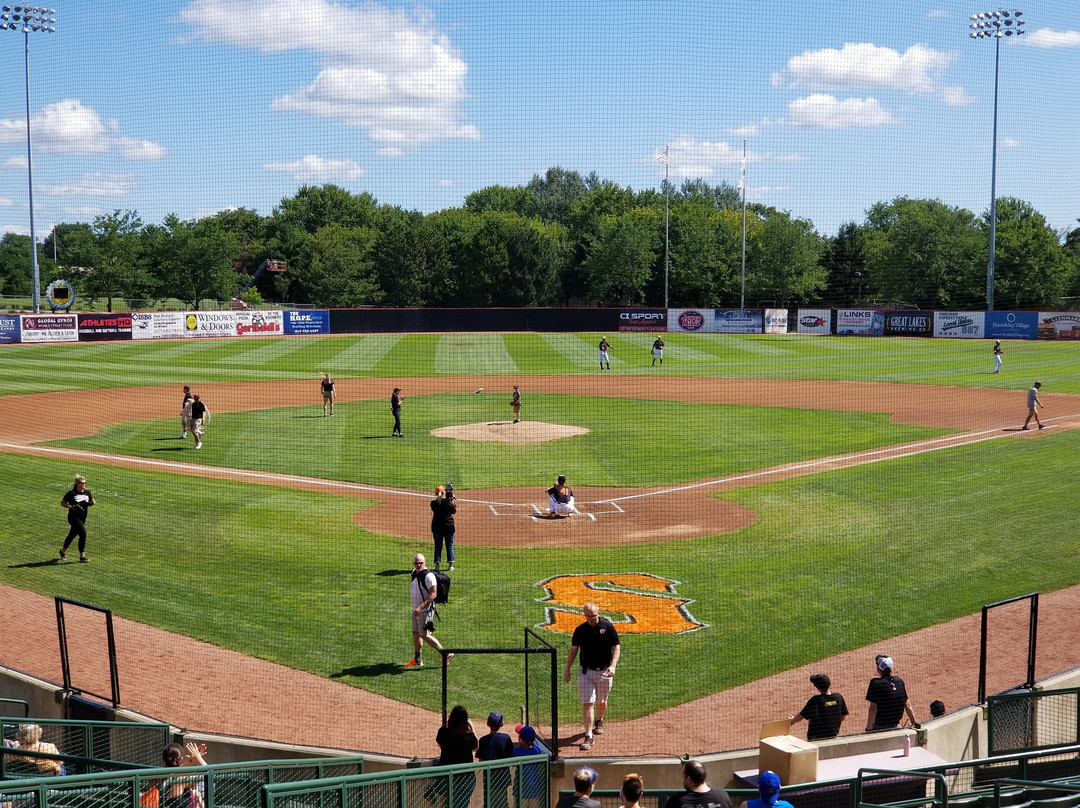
{"x": 1030, "y": 720}
{"x": 117, "y": 742}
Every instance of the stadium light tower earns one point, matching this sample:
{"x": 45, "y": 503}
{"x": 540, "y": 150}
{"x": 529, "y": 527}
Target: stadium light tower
{"x": 995, "y": 25}
{"x": 29, "y": 19}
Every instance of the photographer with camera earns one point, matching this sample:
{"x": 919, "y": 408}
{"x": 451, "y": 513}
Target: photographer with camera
{"x": 442, "y": 524}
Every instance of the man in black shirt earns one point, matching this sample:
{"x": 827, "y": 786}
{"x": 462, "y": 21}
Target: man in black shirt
{"x": 825, "y": 711}
{"x": 598, "y": 642}
{"x": 888, "y": 698}
{"x": 698, "y": 794}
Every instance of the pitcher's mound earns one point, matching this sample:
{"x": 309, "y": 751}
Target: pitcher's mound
{"x": 509, "y": 432}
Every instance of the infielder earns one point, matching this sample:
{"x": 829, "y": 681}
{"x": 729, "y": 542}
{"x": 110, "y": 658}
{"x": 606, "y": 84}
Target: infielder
{"x": 997, "y": 356}
{"x": 604, "y": 347}
{"x": 658, "y": 350}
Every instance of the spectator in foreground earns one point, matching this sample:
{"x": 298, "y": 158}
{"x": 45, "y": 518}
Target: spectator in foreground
{"x": 584, "y": 783}
{"x": 182, "y": 792}
{"x": 632, "y": 789}
{"x": 769, "y": 792}
{"x": 28, "y": 737}
{"x": 888, "y": 698}
{"x": 825, "y": 711}
{"x": 533, "y": 784}
{"x": 496, "y": 746}
{"x": 697, "y": 793}
{"x": 456, "y": 744}
{"x": 937, "y": 708}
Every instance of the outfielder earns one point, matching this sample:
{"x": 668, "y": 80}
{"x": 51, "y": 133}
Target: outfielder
{"x": 604, "y": 347}
{"x": 658, "y": 350}
{"x": 997, "y": 356}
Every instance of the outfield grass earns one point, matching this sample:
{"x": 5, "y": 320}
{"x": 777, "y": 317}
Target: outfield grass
{"x": 683, "y": 442}
{"x": 286, "y": 575}
{"x": 965, "y": 363}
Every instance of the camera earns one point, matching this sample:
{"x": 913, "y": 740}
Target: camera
{"x": 449, "y": 490}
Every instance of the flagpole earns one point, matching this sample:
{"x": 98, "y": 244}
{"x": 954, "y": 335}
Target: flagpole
{"x": 667, "y": 251}
{"x": 742, "y": 182}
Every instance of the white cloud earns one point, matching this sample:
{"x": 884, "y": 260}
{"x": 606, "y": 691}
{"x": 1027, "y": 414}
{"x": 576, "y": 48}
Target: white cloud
{"x": 315, "y": 169}
{"x": 753, "y": 129}
{"x": 390, "y": 151}
{"x": 94, "y": 184}
{"x": 5, "y": 202}
{"x": 863, "y": 65}
{"x": 828, "y": 112}
{"x": 387, "y": 71}
{"x": 691, "y": 158}
{"x": 16, "y": 162}
{"x": 1049, "y": 38}
{"x": 1009, "y": 142}
{"x": 87, "y": 211}
{"x": 444, "y": 183}
{"x": 956, "y": 96}
{"x": 937, "y": 14}
{"x": 69, "y": 127}
{"x": 135, "y": 149}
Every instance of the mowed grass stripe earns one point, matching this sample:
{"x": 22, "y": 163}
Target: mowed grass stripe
{"x": 365, "y": 352}
{"x": 267, "y": 351}
{"x": 412, "y": 355}
{"x": 485, "y": 354}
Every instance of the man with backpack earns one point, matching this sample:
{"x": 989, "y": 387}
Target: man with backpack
{"x": 424, "y": 592}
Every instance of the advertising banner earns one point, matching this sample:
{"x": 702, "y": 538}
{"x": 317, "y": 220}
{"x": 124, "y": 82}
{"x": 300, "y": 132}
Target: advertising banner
{"x": 307, "y": 321}
{"x": 738, "y": 321}
{"x": 157, "y": 325}
{"x": 1059, "y": 325}
{"x": 909, "y": 323}
{"x": 776, "y": 321}
{"x": 1010, "y": 324}
{"x": 694, "y": 321}
{"x": 49, "y": 328}
{"x": 104, "y": 326}
{"x": 232, "y": 323}
{"x": 10, "y": 328}
{"x": 959, "y": 324}
{"x": 814, "y": 321}
{"x": 861, "y": 322}
{"x": 643, "y": 320}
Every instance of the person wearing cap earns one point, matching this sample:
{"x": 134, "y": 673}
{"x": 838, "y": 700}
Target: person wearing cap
{"x": 888, "y": 698}
{"x": 77, "y": 501}
{"x": 598, "y": 642}
{"x": 658, "y": 350}
{"x": 997, "y": 356}
{"x": 769, "y": 791}
{"x": 443, "y": 509}
{"x": 584, "y": 783}
{"x": 533, "y": 782}
{"x": 496, "y": 746}
{"x": 697, "y": 793}
{"x": 604, "y": 348}
{"x": 561, "y": 498}
{"x": 515, "y": 402}
{"x": 825, "y": 711}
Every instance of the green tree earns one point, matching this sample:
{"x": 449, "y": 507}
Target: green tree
{"x": 844, "y": 262}
{"x": 924, "y": 252}
{"x": 412, "y": 262}
{"x": 783, "y": 257}
{"x": 620, "y": 260}
{"x": 552, "y": 194}
{"x": 499, "y": 199}
{"x": 193, "y": 260}
{"x": 15, "y": 272}
{"x": 340, "y": 271}
{"x": 705, "y": 256}
{"x": 724, "y": 195}
{"x": 313, "y": 207}
{"x": 1030, "y": 267}
{"x": 113, "y": 249}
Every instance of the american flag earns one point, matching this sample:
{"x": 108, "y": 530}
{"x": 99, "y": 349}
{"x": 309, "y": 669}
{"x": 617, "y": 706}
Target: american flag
{"x": 662, "y": 158}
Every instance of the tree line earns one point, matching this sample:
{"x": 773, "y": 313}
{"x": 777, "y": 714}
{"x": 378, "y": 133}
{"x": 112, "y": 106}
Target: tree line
{"x": 561, "y": 239}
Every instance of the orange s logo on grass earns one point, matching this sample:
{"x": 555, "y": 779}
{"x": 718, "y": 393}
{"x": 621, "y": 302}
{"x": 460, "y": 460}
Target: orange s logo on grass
{"x": 653, "y": 610}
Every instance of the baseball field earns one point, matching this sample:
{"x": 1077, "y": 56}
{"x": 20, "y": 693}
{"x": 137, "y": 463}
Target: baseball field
{"x": 755, "y": 505}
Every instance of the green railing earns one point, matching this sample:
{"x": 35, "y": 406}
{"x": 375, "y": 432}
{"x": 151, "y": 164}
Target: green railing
{"x": 83, "y": 744}
{"x": 14, "y": 707}
{"x": 1032, "y": 720}
{"x": 233, "y": 785}
{"x": 509, "y": 783}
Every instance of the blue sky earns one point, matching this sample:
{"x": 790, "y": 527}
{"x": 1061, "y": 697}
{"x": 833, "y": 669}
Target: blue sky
{"x": 195, "y": 106}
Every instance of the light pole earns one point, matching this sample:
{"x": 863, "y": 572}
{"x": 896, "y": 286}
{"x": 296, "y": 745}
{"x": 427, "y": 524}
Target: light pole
{"x": 995, "y": 25}
{"x": 38, "y": 20}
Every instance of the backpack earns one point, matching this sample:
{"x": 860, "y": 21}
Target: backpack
{"x": 442, "y": 586}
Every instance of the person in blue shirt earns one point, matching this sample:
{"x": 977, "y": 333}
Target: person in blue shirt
{"x": 769, "y": 791}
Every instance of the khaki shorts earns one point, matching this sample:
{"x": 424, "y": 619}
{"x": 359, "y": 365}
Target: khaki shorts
{"x": 420, "y": 623}
{"x": 593, "y": 686}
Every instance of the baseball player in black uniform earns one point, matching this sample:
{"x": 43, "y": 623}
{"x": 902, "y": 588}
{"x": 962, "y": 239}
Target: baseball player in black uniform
{"x": 658, "y": 350}
{"x": 604, "y": 348}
